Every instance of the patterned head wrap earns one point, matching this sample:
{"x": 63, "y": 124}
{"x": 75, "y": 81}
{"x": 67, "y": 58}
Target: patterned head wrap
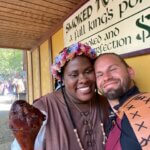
{"x": 68, "y": 54}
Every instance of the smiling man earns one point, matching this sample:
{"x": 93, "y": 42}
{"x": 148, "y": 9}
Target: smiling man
{"x": 114, "y": 79}
{"x": 113, "y": 76}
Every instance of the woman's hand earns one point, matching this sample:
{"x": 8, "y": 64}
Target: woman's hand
{"x": 25, "y": 121}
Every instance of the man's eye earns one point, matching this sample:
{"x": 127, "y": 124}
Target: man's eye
{"x": 99, "y": 75}
{"x": 113, "y": 69}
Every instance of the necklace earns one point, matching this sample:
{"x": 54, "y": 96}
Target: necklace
{"x": 74, "y": 125}
{"x": 84, "y": 114}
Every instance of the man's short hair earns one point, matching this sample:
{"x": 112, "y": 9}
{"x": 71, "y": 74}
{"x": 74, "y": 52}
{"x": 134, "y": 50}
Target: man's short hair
{"x": 116, "y": 55}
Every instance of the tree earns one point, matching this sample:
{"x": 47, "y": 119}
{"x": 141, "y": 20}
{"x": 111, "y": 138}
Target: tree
{"x": 11, "y": 62}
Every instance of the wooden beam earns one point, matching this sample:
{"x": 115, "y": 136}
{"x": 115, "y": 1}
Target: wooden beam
{"x": 50, "y": 32}
{"x": 18, "y": 48}
{"x": 136, "y": 53}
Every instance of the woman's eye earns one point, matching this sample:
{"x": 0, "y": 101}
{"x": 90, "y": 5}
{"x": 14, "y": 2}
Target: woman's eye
{"x": 89, "y": 71}
{"x": 73, "y": 75}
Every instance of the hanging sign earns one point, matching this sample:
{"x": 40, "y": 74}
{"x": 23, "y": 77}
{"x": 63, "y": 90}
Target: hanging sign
{"x": 120, "y": 26}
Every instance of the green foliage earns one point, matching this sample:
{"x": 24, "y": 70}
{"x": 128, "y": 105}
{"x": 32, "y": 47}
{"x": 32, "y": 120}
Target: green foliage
{"x": 11, "y": 62}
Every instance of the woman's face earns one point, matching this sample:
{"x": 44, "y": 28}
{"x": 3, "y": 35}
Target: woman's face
{"x": 79, "y": 79}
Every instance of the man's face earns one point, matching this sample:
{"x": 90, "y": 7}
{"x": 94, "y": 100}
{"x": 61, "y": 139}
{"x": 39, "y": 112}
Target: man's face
{"x": 79, "y": 79}
{"x": 112, "y": 76}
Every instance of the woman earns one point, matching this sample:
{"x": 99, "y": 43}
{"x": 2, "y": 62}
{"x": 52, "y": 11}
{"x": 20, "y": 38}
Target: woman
{"x": 74, "y": 112}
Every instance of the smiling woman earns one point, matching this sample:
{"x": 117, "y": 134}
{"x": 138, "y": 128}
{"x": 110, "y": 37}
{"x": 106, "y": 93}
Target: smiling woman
{"x": 79, "y": 79}
{"x": 75, "y": 113}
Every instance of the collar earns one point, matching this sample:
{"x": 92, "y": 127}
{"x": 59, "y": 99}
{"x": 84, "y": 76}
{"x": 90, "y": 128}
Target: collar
{"x": 134, "y": 90}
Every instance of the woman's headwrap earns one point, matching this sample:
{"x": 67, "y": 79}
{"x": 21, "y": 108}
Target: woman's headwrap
{"x": 68, "y": 54}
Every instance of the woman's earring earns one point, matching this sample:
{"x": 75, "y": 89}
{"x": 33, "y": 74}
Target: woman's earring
{"x": 100, "y": 93}
{"x": 97, "y": 91}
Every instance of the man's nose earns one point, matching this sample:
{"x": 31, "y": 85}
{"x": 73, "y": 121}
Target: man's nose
{"x": 107, "y": 76}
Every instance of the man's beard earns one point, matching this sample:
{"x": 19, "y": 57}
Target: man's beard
{"x": 116, "y": 93}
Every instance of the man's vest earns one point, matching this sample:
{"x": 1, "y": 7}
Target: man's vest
{"x": 137, "y": 110}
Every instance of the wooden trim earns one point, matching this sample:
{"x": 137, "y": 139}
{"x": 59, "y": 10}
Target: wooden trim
{"x": 26, "y": 23}
{"x": 50, "y": 2}
{"x": 11, "y": 36}
{"x": 32, "y": 77}
{"x": 21, "y": 20}
{"x": 50, "y": 8}
{"x": 50, "y": 60}
{"x": 136, "y": 53}
{"x": 27, "y": 71}
{"x": 27, "y": 17}
{"x": 18, "y": 48}
{"x": 58, "y": 26}
{"x": 25, "y": 7}
{"x": 35, "y": 30}
{"x": 31, "y": 13}
{"x": 40, "y": 70}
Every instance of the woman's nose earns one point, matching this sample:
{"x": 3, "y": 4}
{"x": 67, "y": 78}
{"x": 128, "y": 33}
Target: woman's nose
{"x": 82, "y": 78}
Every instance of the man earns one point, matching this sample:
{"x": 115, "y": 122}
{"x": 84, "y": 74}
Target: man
{"x": 114, "y": 79}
